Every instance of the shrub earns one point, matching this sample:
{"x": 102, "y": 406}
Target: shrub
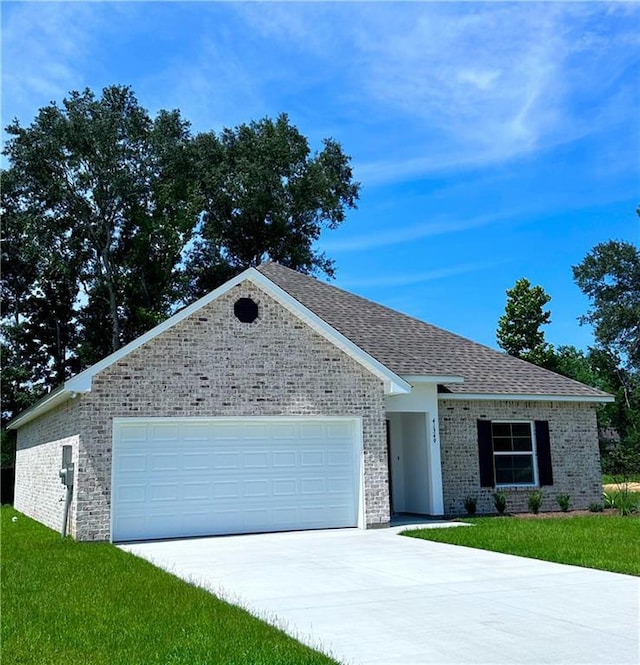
{"x": 564, "y": 501}
{"x": 535, "y": 501}
{"x": 627, "y": 503}
{"x": 623, "y": 501}
{"x": 595, "y": 507}
{"x": 500, "y": 502}
{"x": 470, "y": 503}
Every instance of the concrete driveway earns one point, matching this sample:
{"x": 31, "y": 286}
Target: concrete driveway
{"x": 375, "y": 597}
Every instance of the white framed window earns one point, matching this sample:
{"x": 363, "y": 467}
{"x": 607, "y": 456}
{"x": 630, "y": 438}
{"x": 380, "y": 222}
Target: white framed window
{"x": 514, "y": 453}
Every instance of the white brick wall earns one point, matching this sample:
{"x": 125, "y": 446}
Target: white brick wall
{"x": 211, "y": 364}
{"x": 39, "y": 492}
{"x": 574, "y": 452}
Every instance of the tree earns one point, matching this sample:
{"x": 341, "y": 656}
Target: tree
{"x": 113, "y": 219}
{"x": 264, "y": 196}
{"x": 519, "y": 331}
{"x": 610, "y": 276}
{"x": 111, "y": 187}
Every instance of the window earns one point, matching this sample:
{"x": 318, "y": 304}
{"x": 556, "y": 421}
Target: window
{"x": 513, "y": 453}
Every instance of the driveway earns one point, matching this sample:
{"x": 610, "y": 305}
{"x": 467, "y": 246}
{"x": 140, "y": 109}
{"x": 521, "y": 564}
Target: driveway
{"x": 372, "y": 596}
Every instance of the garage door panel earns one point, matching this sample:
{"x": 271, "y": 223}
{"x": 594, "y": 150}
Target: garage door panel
{"x": 312, "y": 458}
{"x": 196, "y": 461}
{"x": 164, "y": 432}
{"x": 128, "y": 462}
{"x": 256, "y": 459}
{"x": 233, "y": 477}
{"x": 284, "y": 458}
{"x": 226, "y": 489}
{"x": 285, "y": 487}
{"x": 165, "y": 462}
{"x": 196, "y": 491}
{"x": 227, "y": 460}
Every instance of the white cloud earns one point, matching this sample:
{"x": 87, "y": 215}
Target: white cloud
{"x": 399, "y": 235}
{"x": 407, "y": 279}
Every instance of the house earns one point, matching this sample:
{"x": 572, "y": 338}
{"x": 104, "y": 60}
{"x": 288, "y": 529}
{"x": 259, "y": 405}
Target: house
{"x": 279, "y": 402}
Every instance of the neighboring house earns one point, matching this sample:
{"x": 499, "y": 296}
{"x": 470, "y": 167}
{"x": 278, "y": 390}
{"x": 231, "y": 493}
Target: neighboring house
{"x": 280, "y": 402}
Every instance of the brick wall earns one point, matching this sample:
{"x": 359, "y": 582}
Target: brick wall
{"x": 574, "y": 452}
{"x": 38, "y": 490}
{"x": 211, "y": 364}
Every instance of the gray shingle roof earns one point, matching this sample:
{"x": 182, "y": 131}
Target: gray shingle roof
{"x": 408, "y": 346}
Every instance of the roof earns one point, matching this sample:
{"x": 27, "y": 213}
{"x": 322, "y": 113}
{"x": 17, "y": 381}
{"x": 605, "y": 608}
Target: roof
{"x": 410, "y": 347}
{"x": 397, "y": 348}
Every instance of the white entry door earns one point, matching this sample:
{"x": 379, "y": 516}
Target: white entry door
{"x": 192, "y": 477}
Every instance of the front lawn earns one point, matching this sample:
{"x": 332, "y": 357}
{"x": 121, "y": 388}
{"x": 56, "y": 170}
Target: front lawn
{"x": 606, "y": 542}
{"x": 69, "y": 602}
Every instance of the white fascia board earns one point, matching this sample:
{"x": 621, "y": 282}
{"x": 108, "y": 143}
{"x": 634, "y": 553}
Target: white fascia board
{"x": 432, "y": 378}
{"x": 49, "y": 402}
{"x": 502, "y": 397}
{"x": 82, "y": 382}
{"x": 393, "y": 383}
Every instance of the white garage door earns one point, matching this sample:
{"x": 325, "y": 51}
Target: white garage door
{"x": 190, "y": 477}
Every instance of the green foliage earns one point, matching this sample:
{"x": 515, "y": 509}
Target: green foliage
{"x": 623, "y": 500}
{"x": 264, "y": 195}
{"x": 500, "y": 502}
{"x": 56, "y": 609}
{"x": 596, "y": 507}
{"x": 96, "y": 214}
{"x": 534, "y": 501}
{"x": 605, "y": 542}
{"x": 7, "y": 448}
{"x": 564, "y": 501}
{"x": 519, "y": 332}
{"x": 113, "y": 219}
{"x": 610, "y": 277}
{"x": 470, "y": 503}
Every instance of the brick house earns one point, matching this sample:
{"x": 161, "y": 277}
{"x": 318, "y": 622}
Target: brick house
{"x": 279, "y": 402}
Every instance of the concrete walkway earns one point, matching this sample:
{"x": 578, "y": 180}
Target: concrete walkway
{"x": 373, "y": 597}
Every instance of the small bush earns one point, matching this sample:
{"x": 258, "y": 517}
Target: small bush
{"x": 535, "y": 501}
{"x": 595, "y": 507}
{"x": 564, "y": 500}
{"x": 625, "y": 502}
{"x": 470, "y": 503}
{"x": 500, "y": 502}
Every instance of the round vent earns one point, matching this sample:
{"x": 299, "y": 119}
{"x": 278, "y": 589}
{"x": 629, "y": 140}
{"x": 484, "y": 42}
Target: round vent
{"x": 246, "y": 310}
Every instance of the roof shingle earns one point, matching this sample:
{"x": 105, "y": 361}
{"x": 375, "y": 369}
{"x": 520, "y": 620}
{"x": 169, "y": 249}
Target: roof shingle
{"x": 409, "y": 347}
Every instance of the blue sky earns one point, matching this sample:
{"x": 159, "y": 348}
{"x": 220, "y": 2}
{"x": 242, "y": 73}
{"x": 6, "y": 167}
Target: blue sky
{"x": 493, "y": 141}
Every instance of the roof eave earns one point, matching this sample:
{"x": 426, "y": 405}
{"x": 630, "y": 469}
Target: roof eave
{"x": 48, "y": 402}
{"x": 432, "y": 378}
{"x": 523, "y": 397}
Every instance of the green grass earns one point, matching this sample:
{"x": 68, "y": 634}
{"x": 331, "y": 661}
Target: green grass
{"x": 605, "y": 542}
{"x": 612, "y": 480}
{"x": 69, "y": 602}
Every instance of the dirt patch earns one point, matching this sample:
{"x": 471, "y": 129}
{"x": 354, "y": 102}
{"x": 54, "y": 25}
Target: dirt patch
{"x": 619, "y": 487}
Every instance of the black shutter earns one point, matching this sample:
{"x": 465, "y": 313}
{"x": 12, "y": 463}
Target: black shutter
{"x": 485, "y": 454}
{"x": 543, "y": 445}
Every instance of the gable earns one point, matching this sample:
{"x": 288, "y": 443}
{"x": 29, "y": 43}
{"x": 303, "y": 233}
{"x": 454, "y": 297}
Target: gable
{"x": 83, "y": 382}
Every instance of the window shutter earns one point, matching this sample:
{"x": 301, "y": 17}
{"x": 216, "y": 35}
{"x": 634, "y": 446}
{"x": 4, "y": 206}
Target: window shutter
{"x": 543, "y": 447}
{"x": 485, "y": 454}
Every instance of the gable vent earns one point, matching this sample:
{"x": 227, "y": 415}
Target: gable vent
{"x": 246, "y": 310}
